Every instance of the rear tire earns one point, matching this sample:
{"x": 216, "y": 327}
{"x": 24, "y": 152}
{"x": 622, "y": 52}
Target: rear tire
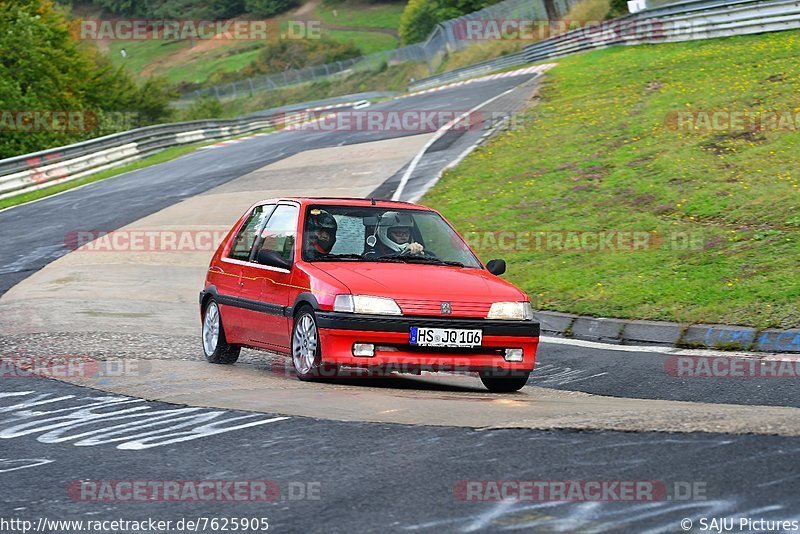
{"x": 215, "y": 346}
{"x": 507, "y": 382}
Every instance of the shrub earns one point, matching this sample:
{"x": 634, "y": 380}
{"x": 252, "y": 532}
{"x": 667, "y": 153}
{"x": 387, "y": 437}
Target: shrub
{"x": 268, "y": 8}
{"x": 421, "y": 16}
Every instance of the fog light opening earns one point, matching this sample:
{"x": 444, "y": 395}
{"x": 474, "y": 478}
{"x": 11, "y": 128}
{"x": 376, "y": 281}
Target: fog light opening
{"x": 364, "y": 349}
{"x": 513, "y": 355}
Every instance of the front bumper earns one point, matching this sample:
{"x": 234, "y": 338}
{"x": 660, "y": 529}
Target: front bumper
{"x": 390, "y": 335}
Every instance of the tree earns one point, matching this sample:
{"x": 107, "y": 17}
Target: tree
{"x": 41, "y": 70}
{"x": 203, "y": 108}
{"x": 121, "y": 7}
{"x": 44, "y": 70}
{"x": 421, "y": 16}
{"x": 151, "y": 102}
{"x": 418, "y": 20}
{"x": 618, "y": 8}
{"x": 297, "y": 54}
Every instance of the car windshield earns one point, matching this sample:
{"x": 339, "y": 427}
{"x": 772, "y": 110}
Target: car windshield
{"x": 372, "y": 234}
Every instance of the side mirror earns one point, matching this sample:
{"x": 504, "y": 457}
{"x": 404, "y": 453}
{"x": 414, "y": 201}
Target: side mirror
{"x": 273, "y": 259}
{"x": 496, "y": 267}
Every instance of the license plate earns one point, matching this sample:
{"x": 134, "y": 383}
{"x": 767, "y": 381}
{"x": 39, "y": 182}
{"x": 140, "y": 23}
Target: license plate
{"x": 445, "y": 337}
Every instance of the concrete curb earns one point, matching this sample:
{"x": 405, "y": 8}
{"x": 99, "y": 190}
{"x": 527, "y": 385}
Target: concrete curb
{"x": 638, "y": 332}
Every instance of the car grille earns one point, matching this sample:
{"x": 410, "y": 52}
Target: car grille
{"x": 434, "y": 308}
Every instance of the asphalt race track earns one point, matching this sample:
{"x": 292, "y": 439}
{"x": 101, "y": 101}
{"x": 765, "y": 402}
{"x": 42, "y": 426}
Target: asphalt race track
{"x": 641, "y": 375}
{"x": 376, "y": 477}
{"x": 406, "y": 464}
{"x": 109, "y": 204}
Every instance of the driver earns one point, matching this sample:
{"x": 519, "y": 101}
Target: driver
{"x": 394, "y": 234}
{"x": 320, "y": 234}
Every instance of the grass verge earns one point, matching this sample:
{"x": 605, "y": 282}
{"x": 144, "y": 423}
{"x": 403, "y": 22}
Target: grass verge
{"x": 603, "y": 151}
{"x": 367, "y": 42}
{"x": 363, "y": 24}
{"x": 361, "y": 14}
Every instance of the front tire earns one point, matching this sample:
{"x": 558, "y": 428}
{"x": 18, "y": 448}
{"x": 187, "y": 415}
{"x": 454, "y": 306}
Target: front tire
{"x": 505, "y": 383}
{"x": 215, "y": 346}
{"x": 306, "y": 353}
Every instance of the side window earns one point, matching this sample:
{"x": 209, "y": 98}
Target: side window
{"x": 243, "y": 242}
{"x": 281, "y": 231}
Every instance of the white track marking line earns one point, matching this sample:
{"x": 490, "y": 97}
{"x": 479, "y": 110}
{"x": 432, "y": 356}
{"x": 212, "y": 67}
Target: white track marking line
{"x": 439, "y": 133}
{"x": 667, "y": 350}
{"x": 536, "y": 69}
{"x": 9, "y": 461}
{"x": 518, "y": 72}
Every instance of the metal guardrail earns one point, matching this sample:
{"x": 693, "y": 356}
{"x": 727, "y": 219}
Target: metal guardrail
{"x": 697, "y": 22}
{"x": 470, "y": 71}
{"x": 682, "y": 21}
{"x": 29, "y": 172}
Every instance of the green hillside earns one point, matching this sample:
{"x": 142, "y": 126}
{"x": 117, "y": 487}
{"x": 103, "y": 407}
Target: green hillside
{"x": 603, "y": 151}
{"x": 366, "y": 27}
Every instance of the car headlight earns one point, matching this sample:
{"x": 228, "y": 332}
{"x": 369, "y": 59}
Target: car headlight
{"x": 520, "y": 311}
{"x": 366, "y": 304}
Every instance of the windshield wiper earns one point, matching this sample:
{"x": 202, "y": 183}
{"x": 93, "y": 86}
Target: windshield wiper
{"x": 420, "y": 259}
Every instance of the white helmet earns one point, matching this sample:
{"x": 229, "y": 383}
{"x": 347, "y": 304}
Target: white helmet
{"x": 393, "y": 219}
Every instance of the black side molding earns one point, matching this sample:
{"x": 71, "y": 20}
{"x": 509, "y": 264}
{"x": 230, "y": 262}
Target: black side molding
{"x": 247, "y": 304}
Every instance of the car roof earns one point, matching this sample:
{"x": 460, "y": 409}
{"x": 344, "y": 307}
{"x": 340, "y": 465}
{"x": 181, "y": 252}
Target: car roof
{"x": 349, "y": 201}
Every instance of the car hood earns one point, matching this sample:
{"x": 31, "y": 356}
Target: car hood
{"x": 420, "y": 289}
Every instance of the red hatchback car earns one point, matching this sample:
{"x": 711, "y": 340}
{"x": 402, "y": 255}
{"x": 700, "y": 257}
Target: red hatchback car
{"x": 364, "y": 283}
